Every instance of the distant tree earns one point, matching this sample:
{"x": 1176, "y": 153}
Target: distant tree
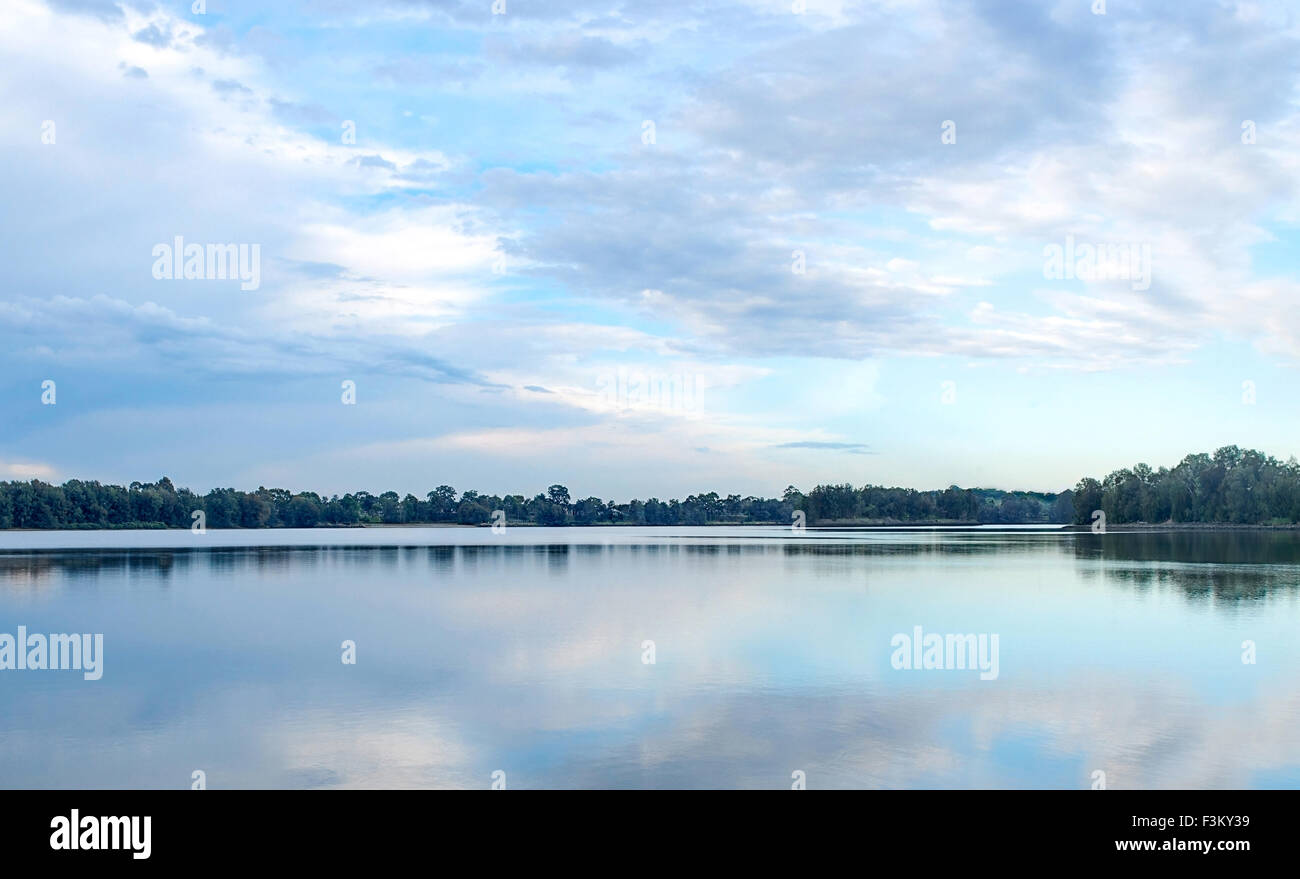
{"x": 589, "y": 511}
{"x": 1087, "y": 498}
{"x": 1063, "y": 508}
{"x": 304, "y": 511}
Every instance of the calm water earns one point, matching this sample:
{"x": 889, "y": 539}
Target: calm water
{"x": 524, "y": 653}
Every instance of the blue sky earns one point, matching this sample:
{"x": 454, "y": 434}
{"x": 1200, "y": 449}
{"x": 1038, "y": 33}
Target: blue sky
{"x": 646, "y": 248}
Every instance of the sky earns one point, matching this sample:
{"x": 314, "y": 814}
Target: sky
{"x": 645, "y": 248}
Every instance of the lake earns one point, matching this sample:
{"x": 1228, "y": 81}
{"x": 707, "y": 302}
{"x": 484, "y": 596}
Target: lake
{"x": 657, "y": 657}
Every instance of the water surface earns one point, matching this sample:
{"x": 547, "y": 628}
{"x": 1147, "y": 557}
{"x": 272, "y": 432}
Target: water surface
{"x": 526, "y": 653}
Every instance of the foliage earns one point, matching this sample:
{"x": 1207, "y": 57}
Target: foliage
{"x": 1232, "y": 486}
{"x": 78, "y": 504}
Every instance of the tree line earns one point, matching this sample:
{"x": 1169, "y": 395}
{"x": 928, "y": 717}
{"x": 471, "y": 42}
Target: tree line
{"x": 82, "y": 504}
{"x": 1231, "y": 486}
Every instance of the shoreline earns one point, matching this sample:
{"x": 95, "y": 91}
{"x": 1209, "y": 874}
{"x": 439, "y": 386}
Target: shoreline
{"x": 1185, "y": 526}
{"x": 872, "y": 525}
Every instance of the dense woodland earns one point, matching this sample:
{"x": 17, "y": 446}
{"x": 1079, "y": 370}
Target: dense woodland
{"x": 1230, "y": 486}
{"x": 78, "y": 504}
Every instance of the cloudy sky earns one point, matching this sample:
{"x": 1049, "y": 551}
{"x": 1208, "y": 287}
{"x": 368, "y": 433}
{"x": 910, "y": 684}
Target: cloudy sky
{"x": 647, "y": 248}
